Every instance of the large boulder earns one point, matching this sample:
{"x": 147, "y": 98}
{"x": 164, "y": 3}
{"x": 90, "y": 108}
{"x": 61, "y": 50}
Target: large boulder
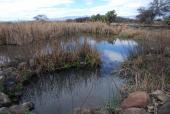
{"x": 4, "y": 100}
{"x": 137, "y": 99}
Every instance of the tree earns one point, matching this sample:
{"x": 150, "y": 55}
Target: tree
{"x": 155, "y": 9}
{"x": 110, "y": 16}
{"x": 160, "y": 7}
{"x": 41, "y": 18}
{"x": 98, "y": 17}
{"x": 146, "y": 16}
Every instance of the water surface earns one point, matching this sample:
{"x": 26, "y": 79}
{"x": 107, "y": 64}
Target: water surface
{"x": 62, "y": 92}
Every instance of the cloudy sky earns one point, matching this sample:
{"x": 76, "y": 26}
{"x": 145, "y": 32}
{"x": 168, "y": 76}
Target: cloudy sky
{"x": 27, "y": 9}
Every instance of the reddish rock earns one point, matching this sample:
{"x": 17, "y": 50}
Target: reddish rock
{"x": 137, "y": 99}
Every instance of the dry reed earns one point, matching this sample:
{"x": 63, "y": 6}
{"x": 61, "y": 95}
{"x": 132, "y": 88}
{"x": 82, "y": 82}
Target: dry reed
{"x": 150, "y": 67}
{"x": 26, "y": 32}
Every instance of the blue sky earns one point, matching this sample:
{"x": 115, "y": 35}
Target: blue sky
{"x": 26, "y": 9}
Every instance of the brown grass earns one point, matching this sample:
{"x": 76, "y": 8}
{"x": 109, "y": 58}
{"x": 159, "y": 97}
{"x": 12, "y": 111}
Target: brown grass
{"x": 150, "y": 67}
{"x": 78, "y": 56}
{"x": 21, "y": 33}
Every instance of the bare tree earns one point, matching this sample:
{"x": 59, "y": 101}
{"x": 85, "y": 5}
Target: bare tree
{"x": 156, "y": 8}
{"x": 146, "y": 16}
{"x": 160, "y": 7}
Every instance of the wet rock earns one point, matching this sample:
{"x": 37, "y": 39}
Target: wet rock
{"x": 18, "y": 109}
{"x": 21, "y": 109}
{"x": 134, "y": 111}
{"x": 4, "y": 100}
{"x": 138, "y": 99}
{"x": 4, "y": 110}
{"x": 160, "y": 95}
{"x": 28, "y": 105}
{"x": 165, "y": 108}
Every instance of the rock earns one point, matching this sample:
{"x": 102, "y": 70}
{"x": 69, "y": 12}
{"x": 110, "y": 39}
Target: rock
{"x": 165, "y": 108}
{"x": 138, "y": 99}
{"x": 4, "y": 100}
{"x": 4, "y": 110}
{"x": 28, "y": 105}
{"x": 134, "y": 111}
{"x": 18, "y": 109}
{"x": 160, "y": 95}
{"x": 89, "y": 111}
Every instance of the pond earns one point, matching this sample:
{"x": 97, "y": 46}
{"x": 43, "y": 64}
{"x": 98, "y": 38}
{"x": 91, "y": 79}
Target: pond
{"x": 62, "y": 92}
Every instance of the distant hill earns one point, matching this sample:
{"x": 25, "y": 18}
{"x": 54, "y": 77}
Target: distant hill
{"x": 66, "y": 18}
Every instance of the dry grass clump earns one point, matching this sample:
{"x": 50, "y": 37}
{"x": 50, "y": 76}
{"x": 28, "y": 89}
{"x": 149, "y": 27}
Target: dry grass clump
{"x": 149, "y": 69}
{"x": 128, "y": 32}
{"x": 26, "y": 32}
{"x": 62, "y": 57}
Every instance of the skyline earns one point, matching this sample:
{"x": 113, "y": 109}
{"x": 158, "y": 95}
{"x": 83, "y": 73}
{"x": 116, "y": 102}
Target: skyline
{"x": 15, "y": 10}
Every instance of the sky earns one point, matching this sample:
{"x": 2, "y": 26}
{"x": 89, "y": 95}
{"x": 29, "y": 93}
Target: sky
{"x": 17, "y": 10}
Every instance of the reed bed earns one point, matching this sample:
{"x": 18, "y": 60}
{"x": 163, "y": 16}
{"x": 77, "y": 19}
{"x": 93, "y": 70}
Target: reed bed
{"x": 63, "y": 56}
{"x": 27, "y": 32}
{"x": 149, "y": 67}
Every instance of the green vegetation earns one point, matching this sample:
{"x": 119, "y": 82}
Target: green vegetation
{"x": 30, "y": 112}
{"x": 109, "y": 17}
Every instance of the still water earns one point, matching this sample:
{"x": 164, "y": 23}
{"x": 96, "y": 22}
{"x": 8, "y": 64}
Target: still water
{"x": 62, "y": 92}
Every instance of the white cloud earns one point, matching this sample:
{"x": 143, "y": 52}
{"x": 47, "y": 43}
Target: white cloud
{"x": 89, "y": 2}
{"x": 19, "y": 9}
{"x": 113, "y": 56}
{"x": 26, "y": 9}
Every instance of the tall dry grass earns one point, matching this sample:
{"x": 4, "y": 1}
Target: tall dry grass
{"x": 26, "y": 32}
{"x": 62, "y": 55}
{"x": 149, "y": 68}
